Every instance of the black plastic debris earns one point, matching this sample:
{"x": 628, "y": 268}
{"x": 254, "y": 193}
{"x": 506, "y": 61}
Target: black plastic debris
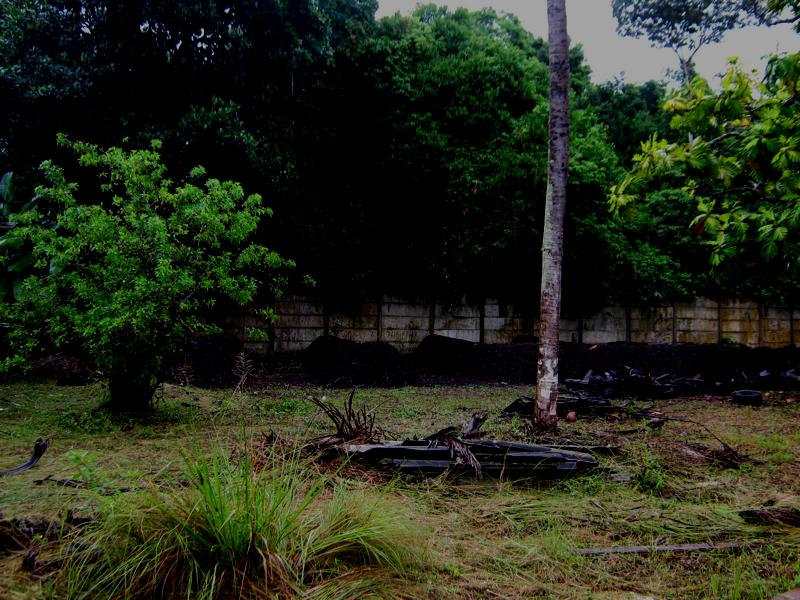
{"x": 747, "y": 397}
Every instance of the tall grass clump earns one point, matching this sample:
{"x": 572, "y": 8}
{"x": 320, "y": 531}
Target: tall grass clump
{"x": 232, "y": 532}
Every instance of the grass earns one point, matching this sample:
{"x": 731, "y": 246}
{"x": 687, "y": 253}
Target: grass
{"x": 480, "y": 539}
{"x": 233, "y": 531}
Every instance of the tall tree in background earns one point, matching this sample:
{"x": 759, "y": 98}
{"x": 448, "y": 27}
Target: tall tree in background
{"x": 556, "y": 200}
{"x": 683, "y": 26}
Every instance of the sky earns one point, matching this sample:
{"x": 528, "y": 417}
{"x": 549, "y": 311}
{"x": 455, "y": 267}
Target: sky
{"x": 590, "y": 23}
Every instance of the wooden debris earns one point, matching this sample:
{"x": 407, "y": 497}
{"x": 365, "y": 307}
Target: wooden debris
{"x": 655, "y": 549}
{"x": 493, "y": 456}
{"x": 82, "y": 485}
{"x": 475, "y": 423}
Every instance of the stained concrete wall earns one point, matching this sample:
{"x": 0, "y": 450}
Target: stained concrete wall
{"x": 404, "y": 323}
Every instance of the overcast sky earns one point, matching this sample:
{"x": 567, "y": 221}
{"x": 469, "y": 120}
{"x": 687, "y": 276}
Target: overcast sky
{"x": 591, "y": 23}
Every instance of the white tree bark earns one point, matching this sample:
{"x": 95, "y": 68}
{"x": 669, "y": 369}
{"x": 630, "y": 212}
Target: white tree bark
{"x": 555, "y": 204}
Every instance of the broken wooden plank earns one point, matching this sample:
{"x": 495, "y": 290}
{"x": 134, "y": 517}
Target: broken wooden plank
{"x": 475, "y": 424}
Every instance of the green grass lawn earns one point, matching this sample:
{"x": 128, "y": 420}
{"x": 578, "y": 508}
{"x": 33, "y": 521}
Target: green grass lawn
{"x": 488, "y": 539}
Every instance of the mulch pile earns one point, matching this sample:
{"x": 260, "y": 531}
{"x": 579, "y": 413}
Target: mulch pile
{"x": 439, "y": 360}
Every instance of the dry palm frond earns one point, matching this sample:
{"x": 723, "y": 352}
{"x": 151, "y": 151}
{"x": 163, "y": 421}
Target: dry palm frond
{"x": 351, "y": 423}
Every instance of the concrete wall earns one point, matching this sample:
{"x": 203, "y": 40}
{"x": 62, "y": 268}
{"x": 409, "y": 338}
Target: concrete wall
{"x": 404, "y": 323}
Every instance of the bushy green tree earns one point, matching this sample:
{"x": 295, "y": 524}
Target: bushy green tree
{"x": 465, "y": 147}
{"x": 426, "y": 134}
{"x": 135, "y": 263}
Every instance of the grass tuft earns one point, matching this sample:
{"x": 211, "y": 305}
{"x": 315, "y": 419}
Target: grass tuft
{"x": 235, "y": 532}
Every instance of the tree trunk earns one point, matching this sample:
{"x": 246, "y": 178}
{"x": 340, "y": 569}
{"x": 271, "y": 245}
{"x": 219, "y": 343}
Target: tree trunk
{"x": 132, "y": 381}
{"x": 553, "y": 238}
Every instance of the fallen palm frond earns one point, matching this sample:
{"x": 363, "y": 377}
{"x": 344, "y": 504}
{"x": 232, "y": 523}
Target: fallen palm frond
{"x": 461, "y": 450}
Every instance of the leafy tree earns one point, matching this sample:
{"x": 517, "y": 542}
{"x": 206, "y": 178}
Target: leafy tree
{"x": 740, "y": 167}
{"x": 135, "y": 265}
{"x": 683, "y": 26}
{"x": 466, "y": 152}
{"x": 555, "y": 207}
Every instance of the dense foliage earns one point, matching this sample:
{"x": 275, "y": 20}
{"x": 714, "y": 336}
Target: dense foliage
{"x": 736, "y": 168}
{"x": 404, "y": 156}
{"x": 126, "y": 270}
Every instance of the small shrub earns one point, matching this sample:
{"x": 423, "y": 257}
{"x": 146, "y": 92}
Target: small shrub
{"x": 232, "y": 532}
{"x": 133, "y": 266}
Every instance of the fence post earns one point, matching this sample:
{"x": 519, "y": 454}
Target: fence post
{"x": 379, "y": 319}
{"x": 482, "y": 321}
{"x": 271, "y": 327}
{"x": 628, "y": 324}
{"x": 674, "y": 323}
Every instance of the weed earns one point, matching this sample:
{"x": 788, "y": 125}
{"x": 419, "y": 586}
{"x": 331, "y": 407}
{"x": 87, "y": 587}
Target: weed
{"x": 451, "y": 570}
{"x": 781, "y": 457}
{"x": 86, "y": 421}
{"x": 242, "y": 370}
{"x": 651, "y": 478}
{"x": 774, "y": 442}
{"x": 82, "y": 464}
{"x": 589, "y": 485}
{"x": 289, "y": 406}
{"x": 517, "y": 428}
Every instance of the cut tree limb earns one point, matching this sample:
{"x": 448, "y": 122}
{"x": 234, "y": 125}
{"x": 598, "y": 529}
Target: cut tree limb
{"x": 665, "y": 548}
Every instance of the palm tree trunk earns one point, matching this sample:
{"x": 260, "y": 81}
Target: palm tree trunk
{"x": 555, "y": 203}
